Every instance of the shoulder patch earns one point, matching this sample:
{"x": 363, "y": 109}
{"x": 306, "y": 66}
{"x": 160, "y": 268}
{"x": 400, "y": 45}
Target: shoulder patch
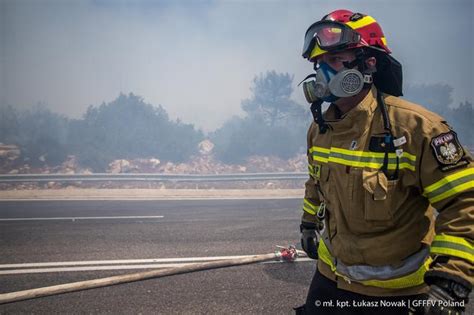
{"x": 448, "y": 151}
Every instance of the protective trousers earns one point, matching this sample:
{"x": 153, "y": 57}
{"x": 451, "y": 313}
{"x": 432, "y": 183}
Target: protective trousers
{"x": 325, "y": 298}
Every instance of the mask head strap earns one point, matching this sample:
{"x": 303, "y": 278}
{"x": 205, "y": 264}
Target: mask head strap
{"x": 316, "y": 110}
{"x": 388, "y": 139}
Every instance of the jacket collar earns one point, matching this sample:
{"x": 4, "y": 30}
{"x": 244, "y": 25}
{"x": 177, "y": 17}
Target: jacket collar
{"x": 357, "y": 120}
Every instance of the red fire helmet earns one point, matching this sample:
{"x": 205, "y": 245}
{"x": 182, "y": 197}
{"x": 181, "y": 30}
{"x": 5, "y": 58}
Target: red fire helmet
{"x": 341, "y": 30}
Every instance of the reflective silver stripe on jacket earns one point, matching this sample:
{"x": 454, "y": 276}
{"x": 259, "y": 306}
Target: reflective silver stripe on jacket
{"x": 365, "y": 272}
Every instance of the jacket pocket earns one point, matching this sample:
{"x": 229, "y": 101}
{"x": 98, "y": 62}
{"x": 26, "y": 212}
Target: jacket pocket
{"x": 378, "y": 198}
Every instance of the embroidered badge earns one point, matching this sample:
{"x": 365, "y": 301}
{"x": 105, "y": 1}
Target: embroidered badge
{"x": 447, "y": 149}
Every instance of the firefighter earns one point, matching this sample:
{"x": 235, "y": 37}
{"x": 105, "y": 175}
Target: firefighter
{"x": 388, "y": 210}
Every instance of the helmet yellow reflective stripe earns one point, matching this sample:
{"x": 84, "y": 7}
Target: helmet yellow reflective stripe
{"x": 366, "y": 20}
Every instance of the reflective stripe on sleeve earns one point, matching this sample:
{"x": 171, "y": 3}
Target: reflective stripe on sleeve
{"x": 320, "y": 154}
{"x": 309, "y": 207}
{"x": 453, "y": 246}
{"x": 450, "y": 185}
{"x": 311, "y": 170}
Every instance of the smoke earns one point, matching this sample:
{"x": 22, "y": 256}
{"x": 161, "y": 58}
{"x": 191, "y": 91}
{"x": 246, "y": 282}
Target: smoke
{"x": 198, "y": 58}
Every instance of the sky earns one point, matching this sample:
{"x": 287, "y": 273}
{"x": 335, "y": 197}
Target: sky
{"x": 198, "y": 58}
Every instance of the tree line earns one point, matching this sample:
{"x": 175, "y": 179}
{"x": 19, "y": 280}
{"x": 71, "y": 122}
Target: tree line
{"x": 125, "y": 128}
{"x": 128, "y": 128}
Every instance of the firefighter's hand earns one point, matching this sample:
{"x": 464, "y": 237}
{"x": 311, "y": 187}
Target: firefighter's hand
{"x": 441, "y": 300}
{"x": 308, "y": 239}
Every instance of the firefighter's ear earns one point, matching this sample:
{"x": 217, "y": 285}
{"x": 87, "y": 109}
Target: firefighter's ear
{"x": 371, "y": 63}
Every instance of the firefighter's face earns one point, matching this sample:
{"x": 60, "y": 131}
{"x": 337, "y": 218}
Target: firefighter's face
{"x": 336, "y": 59}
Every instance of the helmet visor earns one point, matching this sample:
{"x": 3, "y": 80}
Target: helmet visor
{"x": 329, "y": 36}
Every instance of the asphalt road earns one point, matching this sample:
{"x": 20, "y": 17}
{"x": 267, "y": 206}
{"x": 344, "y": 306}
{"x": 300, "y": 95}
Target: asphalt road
{"x": 186, "y": 229}
{"x": 98, "y": 238}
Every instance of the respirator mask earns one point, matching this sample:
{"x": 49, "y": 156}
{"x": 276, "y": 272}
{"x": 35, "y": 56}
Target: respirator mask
{"x": 329, "y": 85}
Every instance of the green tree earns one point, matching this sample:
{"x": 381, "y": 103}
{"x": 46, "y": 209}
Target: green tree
{"x": 270, "y": 102}
{"x": 128, "y": 128}
{"x": 9, "y": 124}
{"x": 274, "y": 124}
{"x": 42, "y": 136}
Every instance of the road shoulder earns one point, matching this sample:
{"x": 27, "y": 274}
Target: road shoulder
{"x": 148, "y": 194}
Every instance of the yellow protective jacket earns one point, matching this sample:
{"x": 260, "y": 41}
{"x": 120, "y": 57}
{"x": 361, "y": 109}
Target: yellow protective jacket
{"x": 377, "y": 222}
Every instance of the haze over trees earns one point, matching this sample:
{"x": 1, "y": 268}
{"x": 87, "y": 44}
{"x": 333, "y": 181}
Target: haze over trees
{"x": 273, "y": 125}
{"x": 437, "y": 98}
{"x": 125, "y": 128}
{"x": 40, "y": 134}
{"x": 128, "y": 128}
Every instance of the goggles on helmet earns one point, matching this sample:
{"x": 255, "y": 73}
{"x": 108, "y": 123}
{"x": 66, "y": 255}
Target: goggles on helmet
{"x": 329, "y": 36}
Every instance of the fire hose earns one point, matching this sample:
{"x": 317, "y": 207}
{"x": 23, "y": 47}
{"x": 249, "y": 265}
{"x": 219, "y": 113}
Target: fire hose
{"x": 282, "y": 254}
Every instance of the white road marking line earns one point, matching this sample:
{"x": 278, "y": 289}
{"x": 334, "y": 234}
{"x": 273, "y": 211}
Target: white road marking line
{"x": 83, "y": 218}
